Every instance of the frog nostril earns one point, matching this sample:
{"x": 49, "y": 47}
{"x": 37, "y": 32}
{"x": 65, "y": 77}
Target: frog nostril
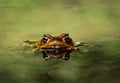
{"x": 55, "y": 46}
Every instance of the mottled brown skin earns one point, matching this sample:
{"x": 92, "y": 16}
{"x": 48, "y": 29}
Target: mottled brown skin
{"x": 54, "y": 47}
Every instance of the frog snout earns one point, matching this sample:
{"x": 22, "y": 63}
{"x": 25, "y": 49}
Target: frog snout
{"x": 55, "y": 46}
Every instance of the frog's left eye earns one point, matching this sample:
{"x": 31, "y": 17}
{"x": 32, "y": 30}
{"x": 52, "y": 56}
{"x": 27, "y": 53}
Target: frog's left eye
{"x": 67, "y": 39}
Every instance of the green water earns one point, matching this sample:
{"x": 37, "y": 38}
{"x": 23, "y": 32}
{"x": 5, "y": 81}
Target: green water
{"x": 95, "y": 22}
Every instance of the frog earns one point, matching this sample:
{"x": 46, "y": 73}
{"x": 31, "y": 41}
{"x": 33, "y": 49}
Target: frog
{"x": 54, "y": 47}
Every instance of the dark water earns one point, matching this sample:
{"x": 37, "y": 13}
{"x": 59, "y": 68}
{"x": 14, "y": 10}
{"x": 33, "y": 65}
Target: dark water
{"x": 93, "y": 22}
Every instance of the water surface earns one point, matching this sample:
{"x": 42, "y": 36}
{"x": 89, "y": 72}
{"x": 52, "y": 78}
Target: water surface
{"x": 95, "y": 23}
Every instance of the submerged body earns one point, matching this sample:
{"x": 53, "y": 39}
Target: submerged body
{"x": 54, "y": 47}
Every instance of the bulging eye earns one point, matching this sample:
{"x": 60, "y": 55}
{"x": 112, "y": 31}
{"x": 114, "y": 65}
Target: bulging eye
{"x": 67, "y": 40}
{"x": 44, "y": 39}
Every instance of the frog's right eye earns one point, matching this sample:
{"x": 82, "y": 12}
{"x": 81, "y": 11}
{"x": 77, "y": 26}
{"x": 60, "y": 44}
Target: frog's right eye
{"x": 45, "y": 39}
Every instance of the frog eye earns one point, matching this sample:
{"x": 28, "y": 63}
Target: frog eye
{"x": 67, "y": 39}
{"x": 44, "y": 39}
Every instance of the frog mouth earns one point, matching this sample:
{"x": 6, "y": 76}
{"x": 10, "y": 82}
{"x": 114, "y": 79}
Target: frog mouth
{"x": 54, "y": 47}
{"x": 55, "y": 50}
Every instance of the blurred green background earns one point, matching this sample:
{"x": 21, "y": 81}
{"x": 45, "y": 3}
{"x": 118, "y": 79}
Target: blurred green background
{"x": 95, "y": 22}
